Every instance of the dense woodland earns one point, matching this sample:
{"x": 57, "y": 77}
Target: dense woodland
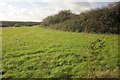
{"x": 17, "y": 23}
{"x": 100, "y": 20}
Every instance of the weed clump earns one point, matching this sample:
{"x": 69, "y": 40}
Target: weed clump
{"x": 94, "y": 50}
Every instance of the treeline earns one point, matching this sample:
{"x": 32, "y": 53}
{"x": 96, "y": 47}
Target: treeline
{"x": 17, "y": 23}
{"x": 100, "y": 20}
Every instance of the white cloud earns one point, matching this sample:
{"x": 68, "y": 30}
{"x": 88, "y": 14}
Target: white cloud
{"x": 78, "y": 7}
{"x": 102, "y": 0}
{"x": 9, "y": 11}
{"x": 59, "y": 0}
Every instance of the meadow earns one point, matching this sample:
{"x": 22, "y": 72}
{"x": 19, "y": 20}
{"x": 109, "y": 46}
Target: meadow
{"x": 35, "y": 52}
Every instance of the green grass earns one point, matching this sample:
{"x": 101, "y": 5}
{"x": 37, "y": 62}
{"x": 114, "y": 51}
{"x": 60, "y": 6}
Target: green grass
{"x": 35, "y": 52}
{"x": 0, "y": 49}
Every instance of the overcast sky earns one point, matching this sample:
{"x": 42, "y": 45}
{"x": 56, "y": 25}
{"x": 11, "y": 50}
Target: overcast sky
{"x": 36, "y": 10}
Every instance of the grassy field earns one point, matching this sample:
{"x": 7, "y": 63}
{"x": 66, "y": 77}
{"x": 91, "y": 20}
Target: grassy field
{"x": 0, "y": 49}
{"x": 35, "y": 52}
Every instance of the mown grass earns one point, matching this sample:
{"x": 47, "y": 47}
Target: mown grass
{"x": 35, "y": 52}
